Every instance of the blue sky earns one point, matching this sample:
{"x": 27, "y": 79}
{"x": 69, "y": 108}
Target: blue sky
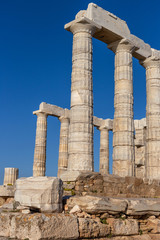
{"x": 35, "y": 67}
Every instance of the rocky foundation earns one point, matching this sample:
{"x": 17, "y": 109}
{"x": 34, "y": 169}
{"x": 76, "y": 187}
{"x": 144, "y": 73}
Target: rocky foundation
{"x": 97, "y": 184}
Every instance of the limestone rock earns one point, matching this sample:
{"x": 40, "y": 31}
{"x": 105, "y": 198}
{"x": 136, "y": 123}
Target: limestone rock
{"x": 75, "y": 209}
{"x": 44, "y": 193}
{"x": 2, "y": 201}
{"x": 38, "y": 226}
{"x": 153, "y": 225}
{"x": 7, "y": 191}
{"x": 89, "y": 228}
{"x": 9, "y": 206}
{"x": 91, "y": 204}
{"x": 143, "y": 206}
{"x": 123, "y": 227}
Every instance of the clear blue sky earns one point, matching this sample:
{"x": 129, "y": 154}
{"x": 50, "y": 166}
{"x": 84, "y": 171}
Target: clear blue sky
{"x": 35, "y": 66}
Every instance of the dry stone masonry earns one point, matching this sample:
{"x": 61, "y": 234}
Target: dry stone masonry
{"x": 136, "y": 146}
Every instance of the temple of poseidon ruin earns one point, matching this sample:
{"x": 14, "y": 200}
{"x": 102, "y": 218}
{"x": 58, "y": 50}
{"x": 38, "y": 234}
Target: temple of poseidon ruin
{"x": 136, "y": 143}
{"x": 81, "y": 203}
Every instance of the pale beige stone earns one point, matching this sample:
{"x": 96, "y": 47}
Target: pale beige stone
{"x": 152, "y": 66}
{"x": 104, "y": 150}
{"x": 81, "y": 114}
{"x": 2, "y": 201}
{"x": 44, "y": 193}
{"x": 10, "y": 176}
{"x": 153, "y": 225}
{"x": 143, "y": 206}
{"x": 7, "y": 191}
{"x": 63, "y": 146}
{"x": 89, "y": 228}
{"x": 123, "y": 124}
{"x": 75, "y": 209}
{"x": 91, "y": 204}
{"x": 140, "y": 148}
{"x": 124, "y": 227}
{"x": 38, "y": 226}
{"x": 39, "y": 165}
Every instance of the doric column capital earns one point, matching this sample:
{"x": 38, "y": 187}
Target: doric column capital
{"x": 122, "y": 45}
{"x": 63, "y": 119}
{"x": 82, "y": 25}
{"x": 151, "y": 62}
{"x": 40, "y": 113}
{"x": 101, "y": 128}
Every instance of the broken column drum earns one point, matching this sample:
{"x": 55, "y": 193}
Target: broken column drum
{"x": 39, "y": 165}
{"x": 10, "y": 176}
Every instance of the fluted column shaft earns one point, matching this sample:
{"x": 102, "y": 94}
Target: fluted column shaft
{"x": 104, "y": 151}
{"x": 152, "y": 66}
{"x": 63, "y": 146}
{"x": 39, "y": 165}
{"x": 81, "y": 116}
{"x": 10, "y": 176}
{"x": 123, "y": 125}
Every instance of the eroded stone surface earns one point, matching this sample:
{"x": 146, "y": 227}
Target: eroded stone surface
{"x": 38, "y": 226}
{"x": 44, "y": 193}
{"x": 143, "y": 206}
{"x": 91, "y": 204}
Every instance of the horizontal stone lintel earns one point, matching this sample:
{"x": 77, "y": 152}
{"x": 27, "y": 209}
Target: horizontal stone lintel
{"x": 110, "y": 29}
{"x": 53, "y": 110}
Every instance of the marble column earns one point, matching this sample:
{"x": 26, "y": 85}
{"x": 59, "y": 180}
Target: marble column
{"x": 81, "y": 113}
{"x": 140, "y": 148}
{"x": 10, "y": 176}
{"x": 104, "y": 150}
{"x": 152, "y": 66}
{"x": 39, "y": 165}
{"x": 63, "y": 146}
{"x": 123, "y": 124}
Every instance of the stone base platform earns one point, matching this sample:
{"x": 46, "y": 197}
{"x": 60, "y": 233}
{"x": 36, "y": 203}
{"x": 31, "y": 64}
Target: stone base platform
{"x": 40, "y": 226}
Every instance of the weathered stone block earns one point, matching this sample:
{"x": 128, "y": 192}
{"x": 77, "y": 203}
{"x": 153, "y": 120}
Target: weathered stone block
{"x": 143, "y": 206}
{"x": 123, "y": 227}
{"x": 89, "y": 228}
{"x": 7, "y": 191}
{"x": 91, "y": 204}
{"x": 38, "y": 226}
{"x": 44, "y": 193}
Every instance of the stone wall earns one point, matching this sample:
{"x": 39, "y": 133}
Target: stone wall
{"x": 66, "y": 227}
{"x": 110, "y": 185}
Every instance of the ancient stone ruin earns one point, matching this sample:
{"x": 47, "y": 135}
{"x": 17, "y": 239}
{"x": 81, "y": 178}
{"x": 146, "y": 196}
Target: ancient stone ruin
{"x": 136, "y": 143}
{"x": 80, "y": 203}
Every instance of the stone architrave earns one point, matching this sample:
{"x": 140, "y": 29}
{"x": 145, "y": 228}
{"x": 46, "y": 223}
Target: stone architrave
{"x": 123, "y": 124}
{"x": 104, "y": 150}
{"x": 63, "y": 146}
{"x": 39, "y": 165}
{"x": 81, "y": 113}
{"x": 152, "y": 66}
{"x": 10, "y": 176}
